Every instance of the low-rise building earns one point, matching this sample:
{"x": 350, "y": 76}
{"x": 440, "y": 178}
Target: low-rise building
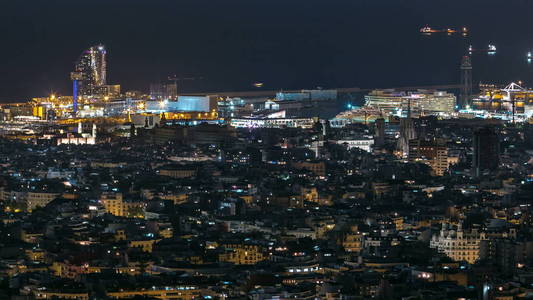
{"x": 241, "y": 254}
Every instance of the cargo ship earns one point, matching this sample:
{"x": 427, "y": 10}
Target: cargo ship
{"x": 429, "y": 30}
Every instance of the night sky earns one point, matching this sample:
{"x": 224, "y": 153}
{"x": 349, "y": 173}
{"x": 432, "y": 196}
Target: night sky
{"x": 228, "y": 45}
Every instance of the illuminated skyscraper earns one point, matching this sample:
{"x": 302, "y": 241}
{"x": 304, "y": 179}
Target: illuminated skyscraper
{"x": 90, "y": 72}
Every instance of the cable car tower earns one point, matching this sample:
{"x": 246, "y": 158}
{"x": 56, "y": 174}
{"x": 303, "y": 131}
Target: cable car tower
{"x": 466, "y": 82}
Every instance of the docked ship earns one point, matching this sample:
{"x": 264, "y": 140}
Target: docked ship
{"x": 509, "y": 99}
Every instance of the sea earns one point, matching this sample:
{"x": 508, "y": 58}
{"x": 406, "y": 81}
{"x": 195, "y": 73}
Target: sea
{"x": 212, "y": 46}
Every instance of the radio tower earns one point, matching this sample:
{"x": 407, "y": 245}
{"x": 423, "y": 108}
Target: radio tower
{"x": 466, "y": 82}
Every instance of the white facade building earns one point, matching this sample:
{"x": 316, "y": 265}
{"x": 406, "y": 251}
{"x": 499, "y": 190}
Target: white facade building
{"x": 458, "y": 244}
{"x": 362, "y": 143}
{"x": 427, "y": 102}
{"x": 305, "y": 123}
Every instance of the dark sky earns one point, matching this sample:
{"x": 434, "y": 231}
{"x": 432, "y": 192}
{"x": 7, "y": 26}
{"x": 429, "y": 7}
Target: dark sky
{"x": 229, "y": 44}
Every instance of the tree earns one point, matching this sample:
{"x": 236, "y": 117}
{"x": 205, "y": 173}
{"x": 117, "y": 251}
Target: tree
{"x": 135, "y": 212}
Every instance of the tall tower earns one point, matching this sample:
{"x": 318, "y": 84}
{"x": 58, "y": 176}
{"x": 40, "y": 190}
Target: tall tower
{"x": 90, "y": 74}
{"x": 407, "y": 133}
{"x": 379, "y": 134}
{"x": 466, "y": 82}
{"x": 486, "y": 150}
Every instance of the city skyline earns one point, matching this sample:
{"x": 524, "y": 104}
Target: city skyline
{"x": 259, "y": 150}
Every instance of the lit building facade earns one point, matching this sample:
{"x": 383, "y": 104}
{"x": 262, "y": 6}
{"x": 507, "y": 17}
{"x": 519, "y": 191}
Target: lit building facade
{"x": 353, "y": 240}
{"x": 30, "y": 200}
{"x": 363, "y": 143}
{"x": 433, "y": 152}
{"x": 184, "y": 104}
{"x": 305, "y": 123}
{"x": 241, "y": 254}
{"x": 459, "y": 244}
{"x": 421, "y": 102}
{"x": 39, "y": 199}
{"x": 230, "y": 107}
{"x": 364, "y": 114}
{"x": 115, "y": 204}
{"x": 79, "y": 138}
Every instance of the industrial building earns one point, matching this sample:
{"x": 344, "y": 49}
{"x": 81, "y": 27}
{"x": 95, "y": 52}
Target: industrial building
{"x": 184, "y": 104}
{"x": 307, "y": 95}
{"x": 512, "y": 99}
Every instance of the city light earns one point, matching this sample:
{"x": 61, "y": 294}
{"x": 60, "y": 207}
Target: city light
{"x": 266, "y": 151}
